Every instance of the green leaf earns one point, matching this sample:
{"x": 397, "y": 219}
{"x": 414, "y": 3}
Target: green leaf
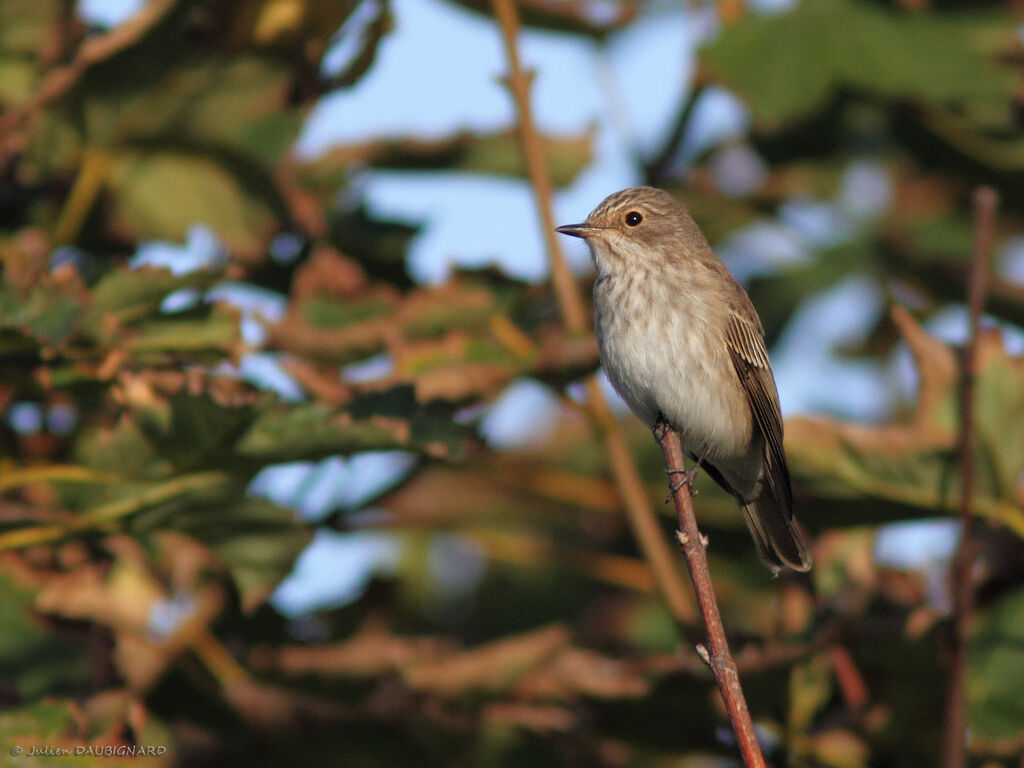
{"x": 126, "y": 295}
{"x": 785, "y": 66}
{"x": 26, "y": 24}
{"x": 256, "y": 539}
{"x": 329, "y": 325}
{"x": 26, "y": 28}
{"x": 496, "y": 153}
{"x": 38, "y": 724}
{"x": 327, "y": 312}
{"x": 159, "y": 195}
{"x": 810, "y": 687}
{"x": 388, "y": 420}
{"x": 122, "y": 448}
{"x": 17, "y": 78}
{"x": 995, "y": 675}
{"x": 208, "y": 102}
{"x": 196, "y": 432}
{"x": 33, "y": 660}
{"x": 46, "y": 313}
{"x": 195, "y": 142}
{"x": 999, "y": 414}
{"x": 218, "y": 333}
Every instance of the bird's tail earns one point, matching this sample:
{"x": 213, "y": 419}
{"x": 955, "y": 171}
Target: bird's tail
{"x": 776, "y": 535}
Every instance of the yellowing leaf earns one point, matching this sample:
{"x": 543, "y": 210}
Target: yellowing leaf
{"x": 912, "y": 463}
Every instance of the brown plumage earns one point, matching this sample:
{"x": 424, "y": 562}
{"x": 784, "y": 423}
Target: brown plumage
{"x": 680, "y": 340}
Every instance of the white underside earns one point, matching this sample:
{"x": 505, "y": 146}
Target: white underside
{"x": 663, "y": 363}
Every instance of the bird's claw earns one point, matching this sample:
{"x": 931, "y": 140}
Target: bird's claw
{"x": 687, "y": 476}
{"x": 660, "y": 429}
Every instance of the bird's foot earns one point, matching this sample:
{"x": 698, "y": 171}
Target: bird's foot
{"x": 660, "y": 428}
{"x": 687, "y": 476}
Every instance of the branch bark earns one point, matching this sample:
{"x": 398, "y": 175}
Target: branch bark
{"x": 962, "y": 577}
{"x": 716, "y": 652}
{"x": 627, "y": 478}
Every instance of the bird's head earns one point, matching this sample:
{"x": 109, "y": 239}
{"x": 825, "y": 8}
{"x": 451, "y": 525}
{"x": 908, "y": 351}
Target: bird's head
{"x": 637, "y": 227}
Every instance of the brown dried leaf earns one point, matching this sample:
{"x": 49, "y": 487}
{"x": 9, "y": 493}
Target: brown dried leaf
{"x": 124, "y": 598}
{"x": 463, "y": 383}
{"x": 540, "y": 718}
{"x": 577, "y": 672}
{"x": 327, "y": 271}
{"x": 278, "y": 709}
{"x": 495, "y": 667}
{"x": 371, "y": 652}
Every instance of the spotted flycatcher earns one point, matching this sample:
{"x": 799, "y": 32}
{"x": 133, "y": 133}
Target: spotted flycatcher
{"x": 682, "y": 344}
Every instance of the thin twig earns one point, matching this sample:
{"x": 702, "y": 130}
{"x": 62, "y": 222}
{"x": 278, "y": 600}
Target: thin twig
{"x": 627, "y": 478}
{"x": 962, "y": 571}
{"x": 849, "y": 679}
{"x": 753, "y": 658}
{"x": 716, "y": 654}
{"x": 573, "y": 314}
{"x": 656, "y": 168}
{"x": 60, "y": 80}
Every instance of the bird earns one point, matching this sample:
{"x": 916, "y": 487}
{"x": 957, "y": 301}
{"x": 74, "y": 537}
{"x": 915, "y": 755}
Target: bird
{"x": 682, "y": 344}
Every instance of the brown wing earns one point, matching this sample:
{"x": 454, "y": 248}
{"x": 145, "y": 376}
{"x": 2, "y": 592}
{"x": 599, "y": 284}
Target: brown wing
{"x": 770, "y": 515}
{"x": 750, "y": 359}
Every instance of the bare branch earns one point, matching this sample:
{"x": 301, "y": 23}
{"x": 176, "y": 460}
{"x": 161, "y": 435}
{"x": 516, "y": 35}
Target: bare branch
{"x": 718, "y": 658}
{"x": 961, "y": 574}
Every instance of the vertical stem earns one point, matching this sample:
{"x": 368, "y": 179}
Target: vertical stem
{"x": 645, "y": 525}
{"x": 92, "y": 175}
{"x": 573, "y": 314}
{"x": 961, "y": 573}
{"x": 716, "y": 654}
{"x": 627, "y": 478}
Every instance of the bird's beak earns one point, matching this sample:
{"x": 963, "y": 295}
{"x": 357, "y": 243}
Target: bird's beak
{"x": 578, "y": 230}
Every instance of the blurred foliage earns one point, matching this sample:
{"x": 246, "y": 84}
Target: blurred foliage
{"x": 862, "y": 49}
{"x": 520, "y": 626}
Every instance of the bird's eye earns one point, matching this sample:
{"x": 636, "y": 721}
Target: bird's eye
{"x": 633, "y": 218}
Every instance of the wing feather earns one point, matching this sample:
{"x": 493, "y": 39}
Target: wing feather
{"x": 750, "y": 359}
